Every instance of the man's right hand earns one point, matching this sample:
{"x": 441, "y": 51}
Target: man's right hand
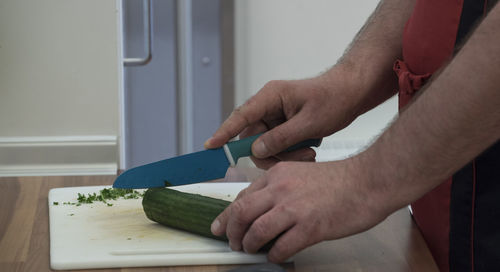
{"x": 290, "y": 112}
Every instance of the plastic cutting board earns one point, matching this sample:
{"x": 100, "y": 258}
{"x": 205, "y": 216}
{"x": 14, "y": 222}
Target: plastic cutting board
{"x": 98, "y": 236}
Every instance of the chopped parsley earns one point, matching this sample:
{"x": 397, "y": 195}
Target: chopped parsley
{"x": 104, "y": 196}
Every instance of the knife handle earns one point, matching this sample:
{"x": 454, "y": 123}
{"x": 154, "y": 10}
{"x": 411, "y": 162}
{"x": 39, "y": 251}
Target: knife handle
{"x": 243, "y": 148}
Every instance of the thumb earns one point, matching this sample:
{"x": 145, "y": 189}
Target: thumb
{"x": 282, "y": 137}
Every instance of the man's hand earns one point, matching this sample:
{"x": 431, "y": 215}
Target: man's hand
{"x": 290, "y": 112}
{"x": 301, "y": 203}
{"x": 293, "y": 111}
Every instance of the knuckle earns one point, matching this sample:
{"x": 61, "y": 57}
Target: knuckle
{"x": 289, "y": 211}
{"x": 259, "y": 229}
{"x": 279, "y": 171}
{"x": 284, "y": 187}
{"x": 273, "y": 85}
{"x": 253, "y": 100}
{"x": 282, "y": 209}
{"x": 241, "y": 194}
{"x": 239, "y": 219}
{"x": 239, "y": 114}
{"x": 237, "y": 110}
{"x": 237, "y": 210}
{"x": 223, "y": 216}
{"x": 279, "y": 139}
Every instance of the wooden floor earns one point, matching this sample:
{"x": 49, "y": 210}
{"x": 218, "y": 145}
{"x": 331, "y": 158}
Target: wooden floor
{"x": 393, "y": 245}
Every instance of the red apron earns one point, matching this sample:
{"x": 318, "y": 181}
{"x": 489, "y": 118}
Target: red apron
{"x": 459, "y": 219}
{"x": 428, "y": 42}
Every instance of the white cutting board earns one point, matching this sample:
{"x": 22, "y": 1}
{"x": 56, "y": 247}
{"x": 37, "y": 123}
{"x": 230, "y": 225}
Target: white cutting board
{"x": 98, "y": 236}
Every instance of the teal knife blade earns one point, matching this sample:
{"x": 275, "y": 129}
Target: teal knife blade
{"x": 194, "y": 167}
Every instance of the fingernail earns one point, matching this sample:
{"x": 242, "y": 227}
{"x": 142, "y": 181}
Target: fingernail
{"x": 207, "y": 142}
{"x": 233, "y": 247}
{"x": 308, "y": 159}
{"x": 214, "y": 228}
{"x": 260, "y": 149}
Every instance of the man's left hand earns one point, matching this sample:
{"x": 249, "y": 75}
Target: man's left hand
{"x": 300, "y": 203}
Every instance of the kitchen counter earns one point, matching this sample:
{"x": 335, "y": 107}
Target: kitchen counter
{"x": 394, "y": 245}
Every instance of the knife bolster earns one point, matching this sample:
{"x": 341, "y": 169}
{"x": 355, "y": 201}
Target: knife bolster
{"x": 229, "y": 156}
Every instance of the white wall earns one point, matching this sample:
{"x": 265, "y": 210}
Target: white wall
{"x": 293, "y": 39}
{"x": 60, "y": 75}
{"x": 59, "y": 80}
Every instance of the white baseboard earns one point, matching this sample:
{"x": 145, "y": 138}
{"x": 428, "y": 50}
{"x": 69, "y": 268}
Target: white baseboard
{"x": 57, "y": 156}
{"x": 58, "y": 170}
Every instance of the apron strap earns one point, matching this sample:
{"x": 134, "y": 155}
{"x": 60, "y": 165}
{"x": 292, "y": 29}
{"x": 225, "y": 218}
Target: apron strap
{"x": 409, "y": 83}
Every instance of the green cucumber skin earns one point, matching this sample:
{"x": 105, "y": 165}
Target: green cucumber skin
{"x": 185, "y": 211}
{"x": 189, "y": 212}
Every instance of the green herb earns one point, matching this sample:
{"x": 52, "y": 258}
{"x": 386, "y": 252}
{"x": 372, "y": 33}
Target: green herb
{"x": 71, "y": 214}
{"x": 105, "y": 195}
{"x": 55, "y": 203}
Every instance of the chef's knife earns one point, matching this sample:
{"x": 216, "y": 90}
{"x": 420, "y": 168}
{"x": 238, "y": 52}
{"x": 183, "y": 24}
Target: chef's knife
{"x": 193, "y": 168}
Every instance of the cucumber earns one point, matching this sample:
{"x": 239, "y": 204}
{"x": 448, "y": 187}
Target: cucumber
{"x": 189, "y": 212}
{"x": 193, "y": 213}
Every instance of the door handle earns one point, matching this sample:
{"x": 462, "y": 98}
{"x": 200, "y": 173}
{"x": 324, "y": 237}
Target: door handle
{"x": 147, "y": 24}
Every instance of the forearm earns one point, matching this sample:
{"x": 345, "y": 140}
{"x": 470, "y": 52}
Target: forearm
{"x": 453, "y": 120}
{"x": 369, "y": 59}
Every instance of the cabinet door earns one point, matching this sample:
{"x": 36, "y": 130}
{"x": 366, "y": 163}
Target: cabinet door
{"x": 150, "y": 99}
{"x": 173, "y": 102}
